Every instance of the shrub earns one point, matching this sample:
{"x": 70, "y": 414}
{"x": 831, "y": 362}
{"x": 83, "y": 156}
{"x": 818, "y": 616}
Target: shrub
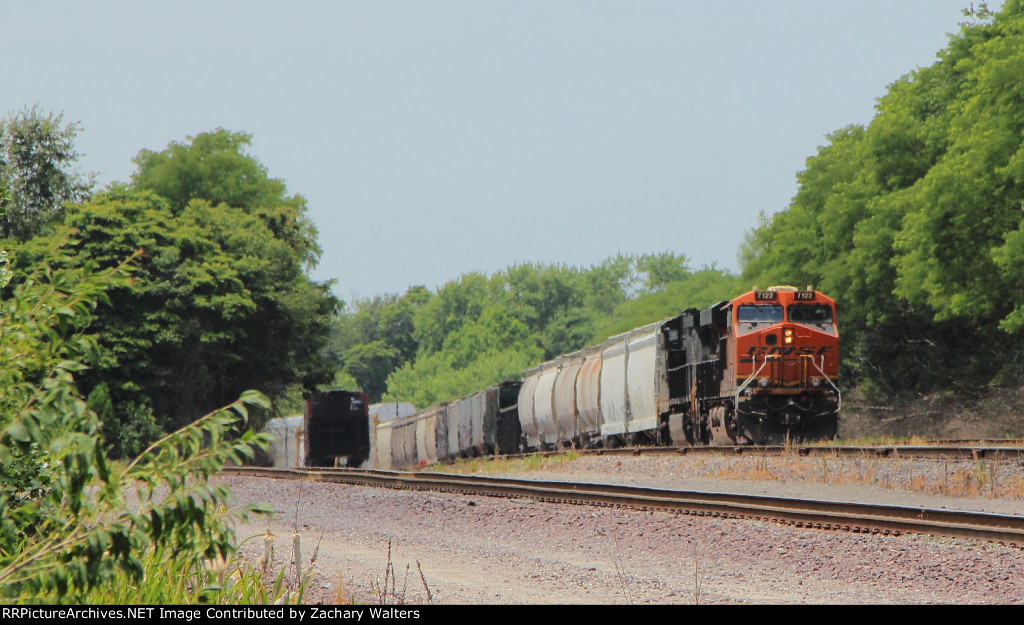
{"x": 71, "y": 522}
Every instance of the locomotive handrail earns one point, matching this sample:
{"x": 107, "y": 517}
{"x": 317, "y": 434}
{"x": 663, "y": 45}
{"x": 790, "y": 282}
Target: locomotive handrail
{"x": 821, "y": 370}
{"x": 752, "y": 376}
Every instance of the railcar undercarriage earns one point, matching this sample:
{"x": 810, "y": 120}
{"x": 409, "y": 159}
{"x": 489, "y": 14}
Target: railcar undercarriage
{"x": 781, "y": 419}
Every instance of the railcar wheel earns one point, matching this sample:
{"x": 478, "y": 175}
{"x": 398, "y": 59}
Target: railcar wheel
{"x": 719, "y": 435}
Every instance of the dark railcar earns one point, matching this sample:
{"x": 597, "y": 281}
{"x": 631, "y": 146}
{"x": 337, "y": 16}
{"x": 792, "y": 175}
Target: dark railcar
{"x": 508, "y": 433}
{"x": 337, "y": 429}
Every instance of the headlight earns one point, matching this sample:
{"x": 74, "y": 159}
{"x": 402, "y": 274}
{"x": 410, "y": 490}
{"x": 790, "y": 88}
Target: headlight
{"x": 762, "y": 382}
{"x": 815, "y": 382}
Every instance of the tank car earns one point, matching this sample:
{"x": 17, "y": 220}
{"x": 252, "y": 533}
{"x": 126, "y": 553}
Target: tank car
{"x": 384, "y": 413}
{"x": 337, "y": 425}
{"x": 483, "y": 423}
{"x": 390, "y": 411}
{"x": 606, "y": 395}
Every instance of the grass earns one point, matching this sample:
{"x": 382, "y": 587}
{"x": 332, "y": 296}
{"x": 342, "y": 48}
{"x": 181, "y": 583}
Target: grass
{"x": 172, "y": 581}
{"x": 980, "y": 478}
{"x": 386, "y": 589}
{"x": 492, "y": 465}
{"x": 883, "y": 441}
{"x": 701, "y": 577}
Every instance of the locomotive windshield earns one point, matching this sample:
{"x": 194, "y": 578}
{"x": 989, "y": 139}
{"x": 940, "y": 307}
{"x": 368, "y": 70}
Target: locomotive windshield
{"x": 815, "y": 313}
{"x": 760, "y": 313}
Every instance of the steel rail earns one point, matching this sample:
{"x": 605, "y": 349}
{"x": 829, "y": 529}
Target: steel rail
{"x": 830, "y": 515}
{"x": 942, "y": 452}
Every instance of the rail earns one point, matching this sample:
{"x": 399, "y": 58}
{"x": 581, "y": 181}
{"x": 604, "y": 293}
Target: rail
{"x": 827, "y": 515}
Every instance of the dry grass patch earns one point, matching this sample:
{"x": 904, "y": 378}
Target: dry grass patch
{"x": 996, "y": 479}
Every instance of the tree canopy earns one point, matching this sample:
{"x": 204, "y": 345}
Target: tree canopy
{"x": 70, "y": 523}
{"x": 913, "y": 223}
{"x": 479, "y": 330}
{"x": 37, "y": 172}
{"x": 220, "y": 301}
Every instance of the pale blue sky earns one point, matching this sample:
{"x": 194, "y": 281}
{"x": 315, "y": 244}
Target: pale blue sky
{"x": 433, "y": 138}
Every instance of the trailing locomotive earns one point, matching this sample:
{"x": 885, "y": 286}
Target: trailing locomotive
{"x": 759, "y": 369}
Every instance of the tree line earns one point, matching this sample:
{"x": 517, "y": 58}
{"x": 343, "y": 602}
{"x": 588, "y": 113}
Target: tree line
{"x": 220, "y": 299}
{"x": 425, "y": 347}
{"x": 914, "y": 223}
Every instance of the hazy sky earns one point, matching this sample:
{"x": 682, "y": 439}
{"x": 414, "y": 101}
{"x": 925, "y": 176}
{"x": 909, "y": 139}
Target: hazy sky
{"x": 433, "y": 138}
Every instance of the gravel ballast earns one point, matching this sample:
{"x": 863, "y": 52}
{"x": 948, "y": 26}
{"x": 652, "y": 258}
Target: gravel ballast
{"x": 450, "y": 549}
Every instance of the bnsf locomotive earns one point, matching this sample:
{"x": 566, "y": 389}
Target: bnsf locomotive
{"x": 777, "y": 371}
{"x": 759, "y": 369}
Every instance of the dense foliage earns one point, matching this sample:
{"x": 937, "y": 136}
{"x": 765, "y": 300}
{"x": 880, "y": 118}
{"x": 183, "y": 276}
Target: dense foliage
{"x": 221, "y": 300}
{"x": 914, "y": 223}
{"x": 476, "y": 331}
{"x": 70, "y": 522}
{"x": 135, "y": 311}
{"x": 37, "y": 175}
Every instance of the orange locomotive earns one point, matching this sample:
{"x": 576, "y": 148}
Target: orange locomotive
{"x": 761, "y": 368}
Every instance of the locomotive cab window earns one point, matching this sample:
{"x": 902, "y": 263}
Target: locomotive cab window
{"x": 810, "y": 313}
{"x": 761, "y": 313}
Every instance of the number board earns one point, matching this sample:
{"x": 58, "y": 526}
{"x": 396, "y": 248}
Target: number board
{"x": 803, "y": 295}
{"x": 765, "y": 295}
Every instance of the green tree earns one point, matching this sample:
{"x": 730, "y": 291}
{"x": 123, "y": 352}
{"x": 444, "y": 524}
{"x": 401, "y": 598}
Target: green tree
{"x": 660, "y": 270}
{"x": 433, "y": 378}
{"x": 698, "y": 290}
{"x": 524, "y": 314}
{"x": 376, "y": 337}
{"x": 70, "y": 522}
{"x": 212, "y": 166}
{"x": 216, "y": 167}
{"x": 911, "y": 223}
{"x": 479, "y": 331}
{"x": 218, "y": 304}
{"x": 37, "y": 172}
{"x": 453, "y": 304}
{"x": 211, "y": 181}
{"x": 370, "y": 364}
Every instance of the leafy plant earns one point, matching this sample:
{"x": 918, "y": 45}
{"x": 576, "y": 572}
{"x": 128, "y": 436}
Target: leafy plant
{"x": 37, "y": 172}
{"x": 71, "y": 522}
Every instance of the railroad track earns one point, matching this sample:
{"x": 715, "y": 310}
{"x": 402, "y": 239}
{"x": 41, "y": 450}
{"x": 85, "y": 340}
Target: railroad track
{"x": 826, "y": 515}
{"x": 940, "y": 451}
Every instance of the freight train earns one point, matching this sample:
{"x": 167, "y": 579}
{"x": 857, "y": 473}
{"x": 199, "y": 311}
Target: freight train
{"x": 760, "y": 369}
